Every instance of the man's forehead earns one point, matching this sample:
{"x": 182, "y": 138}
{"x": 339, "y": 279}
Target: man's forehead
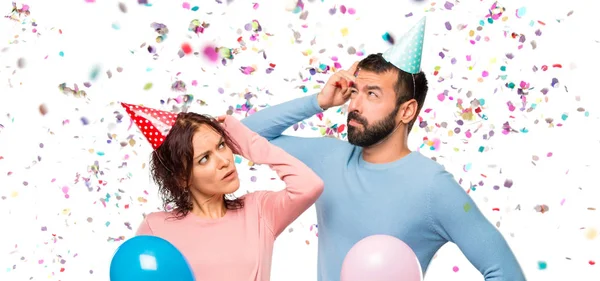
{"x": 368, "y": 78}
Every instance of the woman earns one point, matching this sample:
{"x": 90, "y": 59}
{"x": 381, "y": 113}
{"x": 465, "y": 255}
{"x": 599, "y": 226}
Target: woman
{"x": 222, "y": 238}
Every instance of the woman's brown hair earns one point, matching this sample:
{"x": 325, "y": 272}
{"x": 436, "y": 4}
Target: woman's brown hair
{"x": 171, "y": 164}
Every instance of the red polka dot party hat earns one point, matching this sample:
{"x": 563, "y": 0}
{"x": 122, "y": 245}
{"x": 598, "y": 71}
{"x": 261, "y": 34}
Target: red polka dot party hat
{"x": 153, "y": 123}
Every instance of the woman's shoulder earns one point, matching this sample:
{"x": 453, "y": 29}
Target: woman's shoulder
{"x": 159, "y": 217}
{"x": 254, "y": 196}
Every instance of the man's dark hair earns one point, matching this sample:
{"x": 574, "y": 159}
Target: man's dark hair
{"x": 404, "y": 87}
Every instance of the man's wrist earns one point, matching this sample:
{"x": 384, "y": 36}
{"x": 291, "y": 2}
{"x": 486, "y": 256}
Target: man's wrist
{"x": 320, "y": 102}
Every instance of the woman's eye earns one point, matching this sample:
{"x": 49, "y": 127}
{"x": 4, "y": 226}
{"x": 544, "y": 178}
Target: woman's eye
{"x": 203, "y": 160}
{"x": 222, "y": 145}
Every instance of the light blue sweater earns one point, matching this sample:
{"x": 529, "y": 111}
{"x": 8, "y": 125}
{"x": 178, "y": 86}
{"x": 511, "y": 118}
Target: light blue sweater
{"x": 413, "y": 199}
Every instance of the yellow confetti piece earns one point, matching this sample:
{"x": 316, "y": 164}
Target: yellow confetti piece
{"x": 142, "y": 200}
{"x": 467, "y": 207}
{"x": 591, "y": 233}
{"x": 14, "y": 194}
{"x": 493, "y": 60}
{"x": 322, "y": 131}
{"x": 66, "y": 211}
{"x": 91, "y": 150}
{"x": 344, "y": 31}
{"x": 471, "y": 33}
{"x": 148, "y": 86}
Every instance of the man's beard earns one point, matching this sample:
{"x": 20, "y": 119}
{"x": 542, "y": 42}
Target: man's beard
{"x": 372, "y": 134}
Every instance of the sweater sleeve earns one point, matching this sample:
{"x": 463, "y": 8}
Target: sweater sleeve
{"x": 456, "y": 218}
{"x": 303, "y": 186}
{"x": 272, "y": 121}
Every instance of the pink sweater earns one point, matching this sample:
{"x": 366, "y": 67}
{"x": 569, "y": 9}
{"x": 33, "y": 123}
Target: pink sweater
{"x": 239, "y": 246}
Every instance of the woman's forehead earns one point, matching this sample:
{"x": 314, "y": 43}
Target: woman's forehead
{"x": 205, "y": 136}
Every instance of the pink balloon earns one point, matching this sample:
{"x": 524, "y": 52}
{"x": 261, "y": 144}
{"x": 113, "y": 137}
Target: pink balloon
{"x": 381, "y": 258}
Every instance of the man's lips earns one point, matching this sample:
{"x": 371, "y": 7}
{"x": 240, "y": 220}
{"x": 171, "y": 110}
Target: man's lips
{"x": 353, "y": 123}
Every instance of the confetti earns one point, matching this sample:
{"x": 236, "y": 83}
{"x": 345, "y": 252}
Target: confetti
{"x": 186, "y": 48}
{"x": 542, "y": 265}
{"x": 210, "y": 52}
{"x": 492, "y": 90}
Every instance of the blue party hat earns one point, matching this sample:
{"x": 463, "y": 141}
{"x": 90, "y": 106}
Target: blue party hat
{"x": 406, "y": 53}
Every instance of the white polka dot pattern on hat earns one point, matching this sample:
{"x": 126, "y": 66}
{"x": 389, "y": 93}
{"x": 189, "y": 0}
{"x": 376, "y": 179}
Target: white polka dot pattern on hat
{"x": 406, "y": 53}
{"x": 150, "y": 129}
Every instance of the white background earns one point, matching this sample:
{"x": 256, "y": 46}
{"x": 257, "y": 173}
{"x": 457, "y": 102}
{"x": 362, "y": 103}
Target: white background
{"x": 80, "y": 231}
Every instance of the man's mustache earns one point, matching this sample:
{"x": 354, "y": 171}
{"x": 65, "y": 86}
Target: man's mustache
{"x": 357, "y": 118}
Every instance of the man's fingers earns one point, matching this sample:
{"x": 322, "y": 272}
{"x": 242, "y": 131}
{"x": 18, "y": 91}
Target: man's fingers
{"x": 347, "y": 93}
{"x": 353, "y": 69}
{"x": 343, "y": 84}
{"x": 346, "y": 75}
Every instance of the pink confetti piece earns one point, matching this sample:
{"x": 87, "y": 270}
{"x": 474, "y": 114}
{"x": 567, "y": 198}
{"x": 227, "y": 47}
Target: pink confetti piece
{"x": 343, "y": 9}
{"x": 441, "y": 97}
{"x": 186, "y": 5}
{"x": 210, "y": 52}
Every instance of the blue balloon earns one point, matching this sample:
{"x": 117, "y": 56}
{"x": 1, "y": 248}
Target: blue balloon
{"x": 149, "y": 258}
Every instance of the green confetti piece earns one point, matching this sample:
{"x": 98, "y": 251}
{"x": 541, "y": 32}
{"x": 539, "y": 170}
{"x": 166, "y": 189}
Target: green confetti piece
{"x": 238, "y": 159}
{"x": 94, "y": 73}
{"x": 467, "y": 207}
{"x": 148, "y": 86}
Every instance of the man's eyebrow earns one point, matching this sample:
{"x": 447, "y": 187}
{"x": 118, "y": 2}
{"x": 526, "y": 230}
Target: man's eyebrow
{"x": 373, "y": 87}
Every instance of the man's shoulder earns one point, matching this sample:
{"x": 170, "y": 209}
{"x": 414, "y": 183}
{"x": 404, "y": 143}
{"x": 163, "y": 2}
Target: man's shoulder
{"x": 425, "y": 164}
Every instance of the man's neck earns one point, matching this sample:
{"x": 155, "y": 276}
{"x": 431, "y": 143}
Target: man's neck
{"x": 389, "y": 150}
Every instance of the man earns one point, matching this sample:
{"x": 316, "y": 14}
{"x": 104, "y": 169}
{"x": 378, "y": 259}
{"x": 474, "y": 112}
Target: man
{"x": 373, "y": 183}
